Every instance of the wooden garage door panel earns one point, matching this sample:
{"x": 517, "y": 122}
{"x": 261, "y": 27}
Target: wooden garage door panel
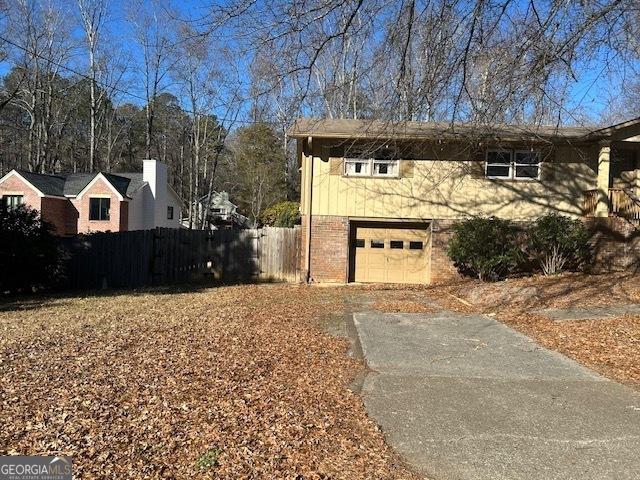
{"x": 396, "y": 262}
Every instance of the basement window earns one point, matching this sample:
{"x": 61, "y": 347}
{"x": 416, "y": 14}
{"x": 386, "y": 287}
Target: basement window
{"x": 99, "y": 209}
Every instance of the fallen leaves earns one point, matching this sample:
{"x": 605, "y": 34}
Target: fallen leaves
{"x": 229, "y": 382}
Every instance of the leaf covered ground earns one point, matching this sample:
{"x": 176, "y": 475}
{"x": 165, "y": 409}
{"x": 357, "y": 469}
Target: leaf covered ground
{"x": 228, "y": 382}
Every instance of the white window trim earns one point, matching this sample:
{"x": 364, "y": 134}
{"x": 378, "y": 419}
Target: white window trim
{"x": 366, "y": 173}
{"x": 369, "y": 171}
{"x": 381, "y": 160}
{"x": 515, "y": 165}
{"x": 512, "y": 165}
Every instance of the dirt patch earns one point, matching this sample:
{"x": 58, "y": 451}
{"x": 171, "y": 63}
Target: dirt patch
{"x": 230, "y": 382}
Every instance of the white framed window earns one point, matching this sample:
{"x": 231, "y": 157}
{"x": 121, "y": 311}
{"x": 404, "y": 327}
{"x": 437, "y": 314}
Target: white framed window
{"x": 499, "y": 163}
{"x": 357, "y": 167}
{"x": 370, "y": 167}
{"x": 526, "y": 164}
{"x": 385, "y": 168}
{"x": 513, "y": 164}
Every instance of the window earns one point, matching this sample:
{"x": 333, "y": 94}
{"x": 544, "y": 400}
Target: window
{"x": 217, "y": 210}
{"x": 397, "y": 244}
{"x": 415, "y": 245}
{"x": 358, "y": 243}
{"x": 377, "y": 243}
{"x": 376, "y": 167}
{"x": 99, "y": 208}
{"x": 527, "y": 164}
{"x": 385, "y": 168}
{"x": 12, "y": 201}
{"x": 518, "y": 165}
{"x": 169, "y": 213}
{"x": 498, "y": 164}
{"x": 357, "y": 167}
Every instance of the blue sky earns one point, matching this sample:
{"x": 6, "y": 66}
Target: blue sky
{"x": 586, "y": 93}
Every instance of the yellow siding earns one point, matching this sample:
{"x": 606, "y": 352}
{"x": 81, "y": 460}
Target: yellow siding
{"x": 444, "y": 189}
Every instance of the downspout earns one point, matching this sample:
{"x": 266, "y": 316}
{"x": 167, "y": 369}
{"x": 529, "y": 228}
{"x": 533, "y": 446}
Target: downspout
{"x": 308, "y": 205}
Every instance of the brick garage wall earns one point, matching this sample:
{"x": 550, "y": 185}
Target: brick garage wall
{"x": 114, "y": 224}
{"x": 615, "y": 244}
{"x": 15, "y": 185}
{"x": 329, "y": 248}
{"x": 442, "y": 269}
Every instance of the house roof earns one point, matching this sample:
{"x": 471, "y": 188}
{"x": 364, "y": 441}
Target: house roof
{"x": 371, "y": 129}
{"x": 47, "y": 184}
{"x": 73, "y": 183}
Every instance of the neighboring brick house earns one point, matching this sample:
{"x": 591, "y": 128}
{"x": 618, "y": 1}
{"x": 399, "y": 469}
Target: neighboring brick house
{"x": 97, "y": 202}
{"x": 378, "y": 198}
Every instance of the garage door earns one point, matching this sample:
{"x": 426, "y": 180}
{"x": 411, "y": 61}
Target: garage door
{"x": 390, "y": 253}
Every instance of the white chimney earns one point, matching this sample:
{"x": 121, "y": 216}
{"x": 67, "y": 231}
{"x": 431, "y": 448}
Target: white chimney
{"x": 155, "y": 174}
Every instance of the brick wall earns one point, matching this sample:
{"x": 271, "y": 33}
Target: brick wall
{"x": 442, "y": 268}
{"x": 59, "y": 212}
{"x": 14, "y": 185}
{"x": 329, "y": 248}
{"x": 615, "y": 244}
{"x": 117, "y": 222}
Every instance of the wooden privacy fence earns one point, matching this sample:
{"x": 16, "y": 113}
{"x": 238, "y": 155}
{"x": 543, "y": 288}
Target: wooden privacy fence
{"x": 163, "y": 256}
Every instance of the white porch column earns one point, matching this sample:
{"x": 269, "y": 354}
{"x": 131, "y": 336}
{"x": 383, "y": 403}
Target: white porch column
{"x": 604, "y": 157}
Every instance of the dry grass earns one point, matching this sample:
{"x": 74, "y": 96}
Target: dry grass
{"x": 610, "y": 346}
{"x": 231, "y": 382}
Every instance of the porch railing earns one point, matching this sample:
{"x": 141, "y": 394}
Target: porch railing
{"x": 622, "y": 203}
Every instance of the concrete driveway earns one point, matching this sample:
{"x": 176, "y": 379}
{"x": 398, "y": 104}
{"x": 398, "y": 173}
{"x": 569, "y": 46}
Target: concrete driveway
{"x": 466, "y": 397}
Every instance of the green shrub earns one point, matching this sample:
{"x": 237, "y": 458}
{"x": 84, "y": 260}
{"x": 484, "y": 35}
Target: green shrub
{"x": 485, "y": 248}
{"x": 558, "y": 243}
{"x": 208, "y": 460}
{"x": 283, "y": 214}
{"x": 29, "y": 253}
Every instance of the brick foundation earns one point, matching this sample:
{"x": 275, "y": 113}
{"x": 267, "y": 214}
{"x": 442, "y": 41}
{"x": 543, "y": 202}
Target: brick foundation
{"x": 442, "y": 268}
{"x": 329, "y": 248}
{"x": 615, "y": 244}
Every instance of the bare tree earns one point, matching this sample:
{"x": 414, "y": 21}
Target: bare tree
{"x": 92, "y": 13}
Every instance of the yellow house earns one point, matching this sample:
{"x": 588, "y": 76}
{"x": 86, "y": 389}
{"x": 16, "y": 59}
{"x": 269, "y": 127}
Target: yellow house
{"x": 378, "y": 198}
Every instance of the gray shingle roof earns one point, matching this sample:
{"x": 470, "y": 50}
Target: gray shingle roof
{"x": 135, "y": 182}
{"x": 72, "y": 184}
{"x": 47, "y": 184}
{"x": 75, "y": 182}
{"x": 348, "y": 128}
